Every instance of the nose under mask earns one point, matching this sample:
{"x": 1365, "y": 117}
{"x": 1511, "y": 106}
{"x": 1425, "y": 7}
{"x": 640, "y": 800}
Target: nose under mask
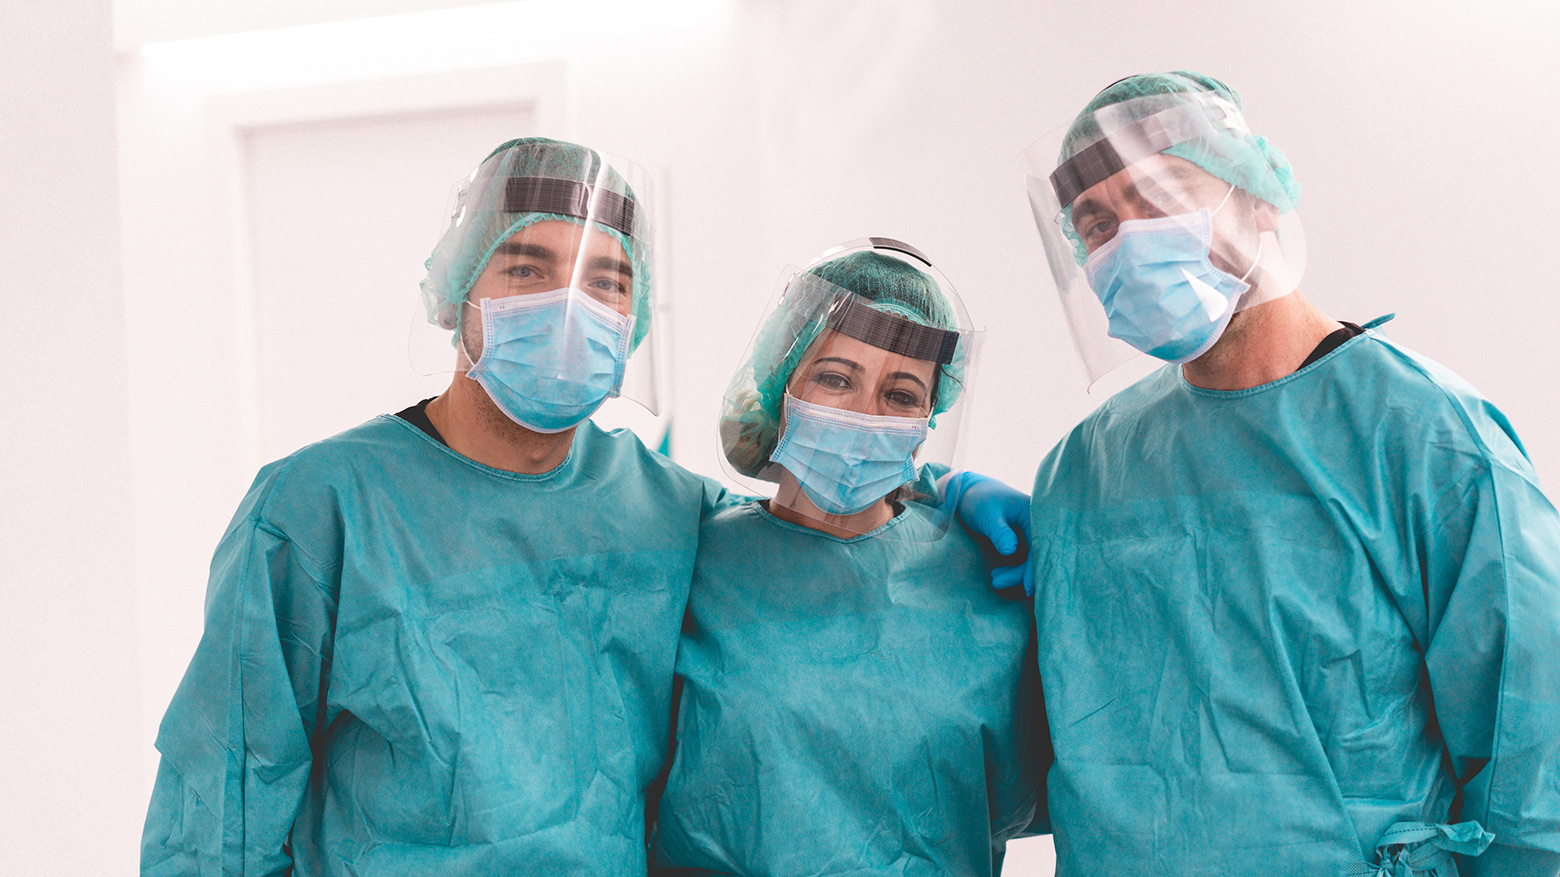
{"x": 1160, "y": 290}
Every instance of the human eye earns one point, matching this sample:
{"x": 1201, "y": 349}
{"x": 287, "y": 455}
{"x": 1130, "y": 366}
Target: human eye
{"x": 608, "y": 285}
{"x": 905, "y": 400}
{"x": 832, "y": 380}
{"x": 522, "y": 271}
{"x": 1097, "y": 229}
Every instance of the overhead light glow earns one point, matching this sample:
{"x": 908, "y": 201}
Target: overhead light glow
{"x": 408, "y": 44}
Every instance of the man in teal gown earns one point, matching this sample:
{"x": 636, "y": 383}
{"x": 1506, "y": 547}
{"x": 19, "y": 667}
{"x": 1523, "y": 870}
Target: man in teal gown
{"x": 1298, "y": 592}
{"x": 441, "y": 642}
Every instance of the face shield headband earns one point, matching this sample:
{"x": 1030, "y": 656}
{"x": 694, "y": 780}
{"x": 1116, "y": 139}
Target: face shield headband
{"x": 1197, "y": 116}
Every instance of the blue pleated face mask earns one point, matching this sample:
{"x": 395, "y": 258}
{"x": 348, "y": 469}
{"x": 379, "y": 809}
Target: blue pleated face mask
{"x": 550, "y": 359}
{"x": 1160, "y": 290}
{"x": 843, "y": 460}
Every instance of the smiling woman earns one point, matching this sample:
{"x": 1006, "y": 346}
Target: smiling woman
{"x": 855, "y": 698}
{"x": 855, "y": 376}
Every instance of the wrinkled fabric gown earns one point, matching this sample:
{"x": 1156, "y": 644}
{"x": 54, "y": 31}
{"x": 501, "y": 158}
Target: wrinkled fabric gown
{"x": 416, "y": 664}
{"x": 1275, "y": 623}
{"x": 861, "y": 706}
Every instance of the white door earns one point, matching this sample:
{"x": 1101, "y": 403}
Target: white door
{"x": 342, "y": 215}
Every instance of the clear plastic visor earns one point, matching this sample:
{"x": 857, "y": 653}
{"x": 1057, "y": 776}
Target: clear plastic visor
{"x": 547, "y": 276}
{"x": 842, "y": 400}
{"x": 1146, "y": 168}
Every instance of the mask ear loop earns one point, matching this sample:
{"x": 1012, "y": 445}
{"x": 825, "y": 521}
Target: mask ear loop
{"x": 1223, "y": 202}
{"x": 1255, "y": 259}
{"x": 471, "y": 361}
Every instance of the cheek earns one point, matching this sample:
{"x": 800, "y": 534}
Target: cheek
{"x": 471, "y": 337}
{"x": 808, "y": 391}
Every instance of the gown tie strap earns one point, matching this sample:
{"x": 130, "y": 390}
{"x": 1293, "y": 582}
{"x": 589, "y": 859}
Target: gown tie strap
{"x": 1424, "y": 849}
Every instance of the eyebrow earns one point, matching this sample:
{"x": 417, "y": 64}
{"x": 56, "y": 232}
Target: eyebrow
{"x": 535, "y": 251}
{"x": 1180, "y": 172}
{"x": 855, "y": 366}
{"x": 906, "y": 376}
{"x": 848, "y": 363}
{"x": 611, "y": 263}
{"x": 1086, "y": 207}
{"x": 538, "y": 251}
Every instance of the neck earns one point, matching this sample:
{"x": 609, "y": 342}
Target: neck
{"x": 475, "y": 428}
{"x": 792, "y": 506}
{"x": 1261, "y": 345}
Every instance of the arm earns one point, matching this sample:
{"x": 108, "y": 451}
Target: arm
{"x": 235, "y": 740}
{"x": 1491, "y": 555}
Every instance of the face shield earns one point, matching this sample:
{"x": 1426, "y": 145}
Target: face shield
{"x": 1162, "y": 217}
{"x": 857, "y": 376}
{"x": 540, "y": 288}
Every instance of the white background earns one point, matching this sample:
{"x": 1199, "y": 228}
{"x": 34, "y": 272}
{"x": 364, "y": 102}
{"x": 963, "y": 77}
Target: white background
{"x": 182, "y": 227}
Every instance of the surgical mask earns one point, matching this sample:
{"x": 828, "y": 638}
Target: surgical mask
{"x": 1159, "y": 287}
{"x": 846, "y": 461}
{"x": 550, "y": 359}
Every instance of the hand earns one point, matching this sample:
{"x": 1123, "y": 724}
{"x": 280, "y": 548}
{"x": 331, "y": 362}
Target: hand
{"x": 996, "y": 511}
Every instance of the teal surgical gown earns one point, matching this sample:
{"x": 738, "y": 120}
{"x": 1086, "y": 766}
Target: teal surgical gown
{"x": 1275, "y": 623}
{"x": 416, "y": 664}
{"x": 849, "y": 706}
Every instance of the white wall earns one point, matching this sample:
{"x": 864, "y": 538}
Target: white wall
{"x": 138, "y": 22}
{"x": 778, "y": 128}
{"x": 69, "y": 757}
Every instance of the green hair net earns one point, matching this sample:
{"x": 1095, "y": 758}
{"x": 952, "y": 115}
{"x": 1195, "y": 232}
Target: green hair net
{"x": 1239, "y": 158}
{"x": 481, "y": 223}
{"x": 750, "y": 424}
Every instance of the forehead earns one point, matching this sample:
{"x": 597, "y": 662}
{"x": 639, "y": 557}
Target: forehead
{"x": 564, "y": 239}
{"x": 1158, "y": 171}
{"x": 874, "y": 359}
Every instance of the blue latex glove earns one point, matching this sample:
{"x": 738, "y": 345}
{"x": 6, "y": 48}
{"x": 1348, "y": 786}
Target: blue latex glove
{"x": 1000, "y": 513}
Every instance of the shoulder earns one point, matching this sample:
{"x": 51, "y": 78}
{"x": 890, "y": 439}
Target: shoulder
{"x": 303, "y": 494}
{"x": 1428, "y": 406}
{"x": 1149, "y": 398}
{"x": 306, "y": 499}
{"x": 382, "y": 445}
{"x": 620, "y": 456}
{"x": 745, "y": 523}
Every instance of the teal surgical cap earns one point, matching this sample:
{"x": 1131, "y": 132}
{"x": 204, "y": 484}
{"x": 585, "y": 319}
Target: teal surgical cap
{"x": 524, "y": 182}
{"x": 1227, "y": 150}
{"x": 750, "y": 422}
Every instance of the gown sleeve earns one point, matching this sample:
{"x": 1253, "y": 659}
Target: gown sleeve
{"x": 1490, "y": 556}
{"x": 717, "y": 498}
{"x": 235, "y": 741}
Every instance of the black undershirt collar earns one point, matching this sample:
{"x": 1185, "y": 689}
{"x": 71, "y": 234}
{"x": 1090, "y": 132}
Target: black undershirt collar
{"x": 1332, "y": 342}
{"x": 417, "y": 416}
